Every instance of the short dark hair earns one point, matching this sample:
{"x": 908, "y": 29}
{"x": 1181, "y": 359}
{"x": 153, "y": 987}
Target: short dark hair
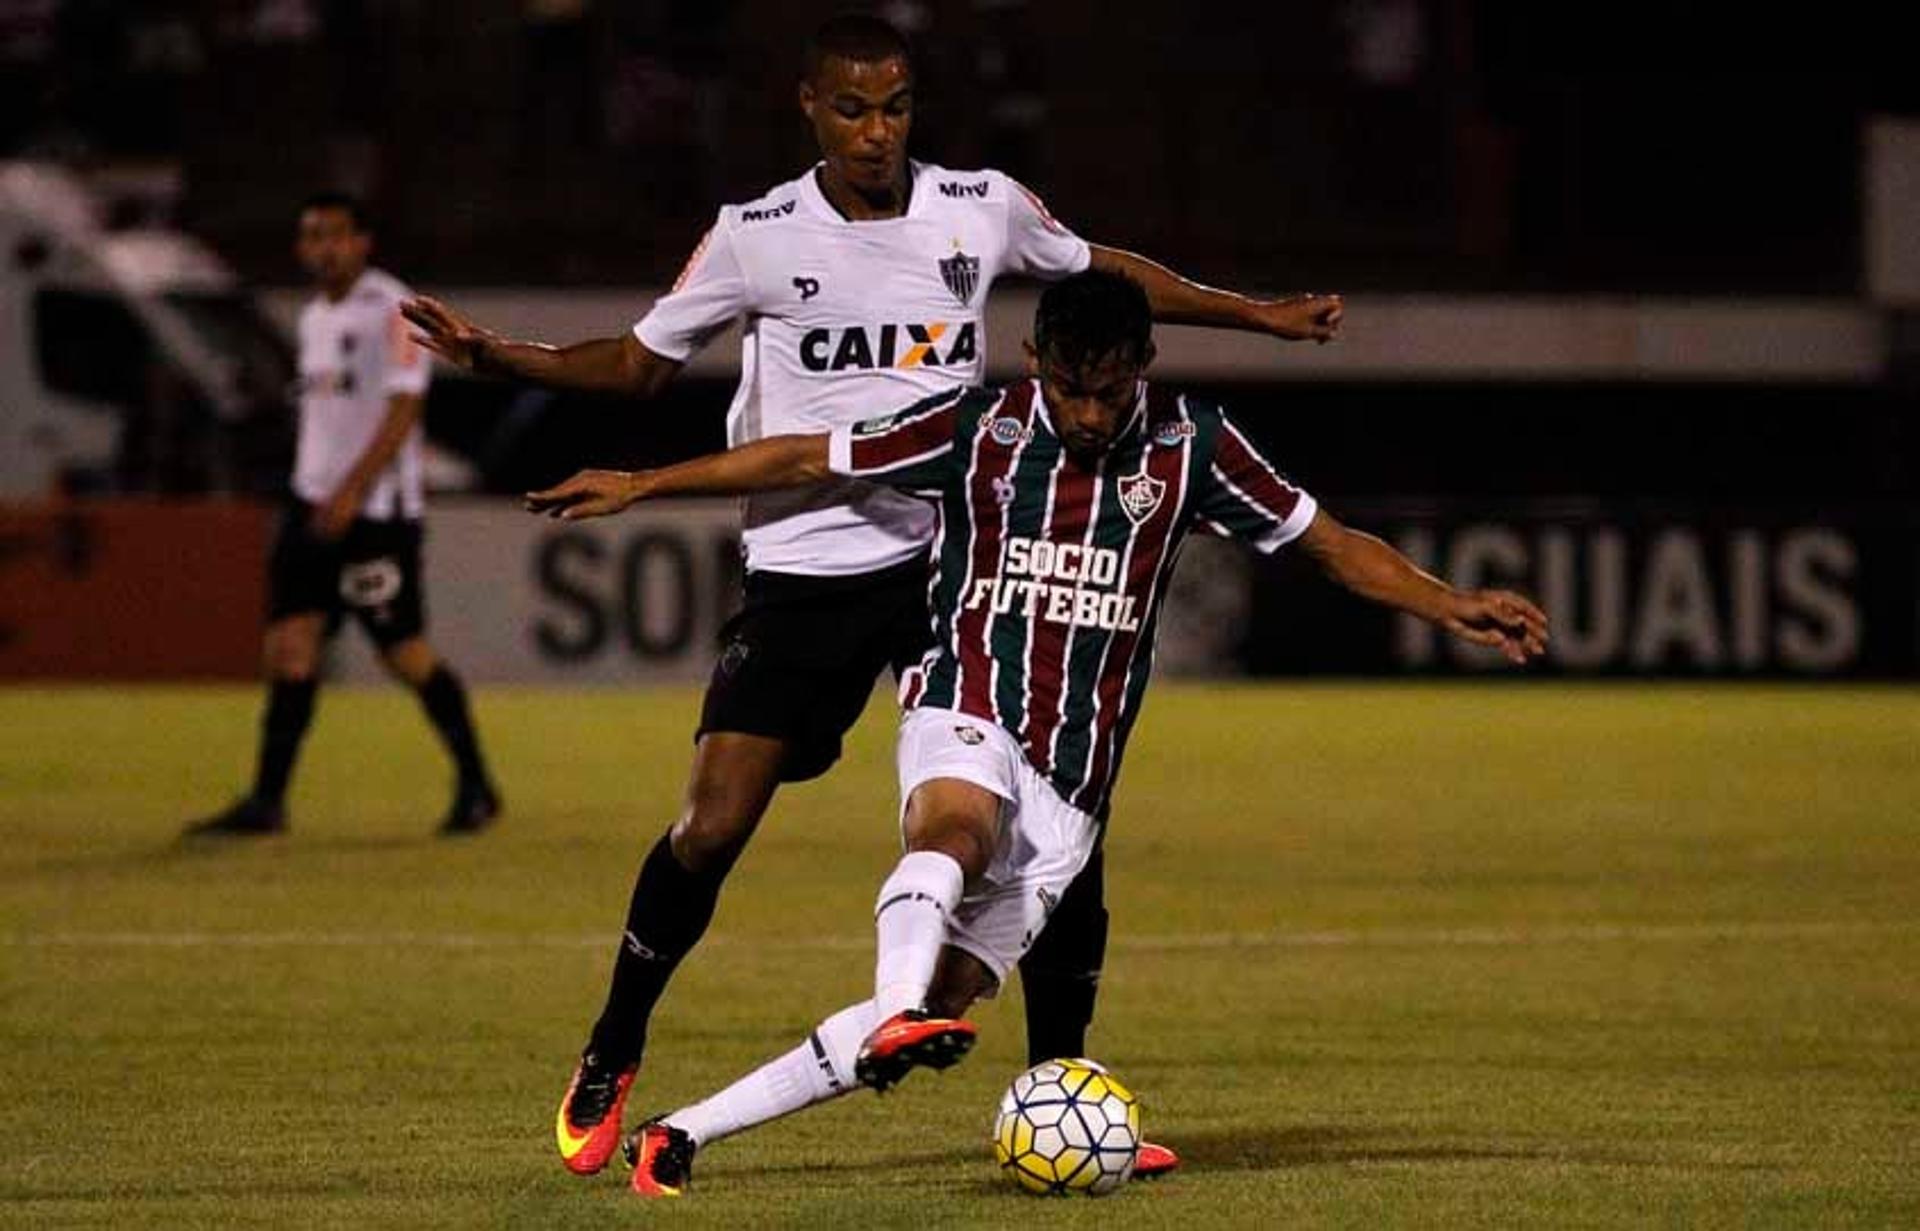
{"x": 855, "y": 36}
{"x": 353, "y": 207}
{"x": 1092, "y": 315}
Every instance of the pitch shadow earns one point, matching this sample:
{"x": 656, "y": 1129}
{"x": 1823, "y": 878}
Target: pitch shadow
{"x": 882, "y": 1164}
{"x": 1280, "y": 1147}
{"x": 1284, "y": 1147}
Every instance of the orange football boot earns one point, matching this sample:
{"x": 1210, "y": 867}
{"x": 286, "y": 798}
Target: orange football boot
{"x": 910, "y": 1040}
{"x": 662, "y": 1159}
{"x": 1151, "y": 1161}
{"x": 588, "y": 1126}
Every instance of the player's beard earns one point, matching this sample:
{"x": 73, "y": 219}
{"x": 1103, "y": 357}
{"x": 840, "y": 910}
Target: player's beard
{"x": 1086, "y": 456}
{"x": 881, "y": 182}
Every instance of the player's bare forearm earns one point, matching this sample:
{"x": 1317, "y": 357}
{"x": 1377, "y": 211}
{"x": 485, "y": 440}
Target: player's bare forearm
{"x": 1181, "y": 301}
{"x": 602, "y": 365}
{"x": 763, "y": 465}
{"x": 1176, "y": 300}
{"x": 1373, "y": 570}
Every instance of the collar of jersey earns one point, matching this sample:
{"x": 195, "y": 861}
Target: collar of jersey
{"x": 321, "y": 296}
{"x": 818, "y": 205}
{"x": 1135, "y": 421}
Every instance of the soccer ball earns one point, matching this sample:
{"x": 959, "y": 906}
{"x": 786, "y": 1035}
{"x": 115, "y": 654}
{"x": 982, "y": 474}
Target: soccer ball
{"x": 1067, "y": 1126}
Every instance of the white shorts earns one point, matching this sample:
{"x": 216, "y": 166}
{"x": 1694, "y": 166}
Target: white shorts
{"x": 1042, "y": 844}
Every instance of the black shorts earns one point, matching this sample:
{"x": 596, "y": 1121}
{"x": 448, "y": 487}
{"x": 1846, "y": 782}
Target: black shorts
{"x": 800, "y": 659}
{"x": 372, "y": 572}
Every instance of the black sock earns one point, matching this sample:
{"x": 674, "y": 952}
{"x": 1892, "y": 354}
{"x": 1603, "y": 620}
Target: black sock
{"x": 1060, "y": 975}
{"x": 282, "y": 727}
{"x": 667, "y": 916}
{"x": 445, "y": 701}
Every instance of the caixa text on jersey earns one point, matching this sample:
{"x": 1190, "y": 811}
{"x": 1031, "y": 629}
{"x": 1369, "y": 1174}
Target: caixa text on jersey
{"x": 935, "y": 344}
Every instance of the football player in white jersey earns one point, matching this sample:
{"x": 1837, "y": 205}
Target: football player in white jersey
{"x": 349, "y": 541}
{"x": 861, "y": 280}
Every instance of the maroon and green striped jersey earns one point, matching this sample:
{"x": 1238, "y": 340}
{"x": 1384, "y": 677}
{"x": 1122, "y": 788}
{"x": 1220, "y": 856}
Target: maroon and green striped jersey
{"x": 1048, "y": 574}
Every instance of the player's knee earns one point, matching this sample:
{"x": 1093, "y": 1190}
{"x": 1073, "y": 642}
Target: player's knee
{"x": 956, "y": 819}
{"x": 710, "y": 834}
{"x": 290, "y": 659}
{"x": 963, "y": 843}
{"x": 732, "y": 784}
{"x": 411, "y": 662}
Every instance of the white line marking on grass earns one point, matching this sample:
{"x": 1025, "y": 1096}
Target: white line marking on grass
{"x": 1180, "y": 942}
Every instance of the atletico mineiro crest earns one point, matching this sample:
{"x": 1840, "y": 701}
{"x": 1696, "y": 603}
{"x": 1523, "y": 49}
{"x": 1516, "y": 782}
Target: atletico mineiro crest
{"x": 961, "y": 273}
{"x": 1140, "y": 495}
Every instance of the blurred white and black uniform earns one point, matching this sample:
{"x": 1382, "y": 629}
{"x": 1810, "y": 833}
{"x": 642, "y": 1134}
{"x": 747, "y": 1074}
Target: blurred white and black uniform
{"x": 355, "y": 356}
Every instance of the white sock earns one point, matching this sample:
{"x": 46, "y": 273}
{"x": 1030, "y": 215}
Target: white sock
{"x": 910, "y": 922}
{"x": 817, "y": 1070}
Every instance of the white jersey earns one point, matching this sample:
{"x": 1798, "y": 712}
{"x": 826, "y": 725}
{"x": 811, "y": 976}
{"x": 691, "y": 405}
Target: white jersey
{"x": 843, "y": 321}
{"x": 354, "y": 356}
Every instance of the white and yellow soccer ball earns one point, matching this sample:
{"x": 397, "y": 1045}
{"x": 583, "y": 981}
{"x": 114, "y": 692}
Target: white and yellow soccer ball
{"x": 1067, "y": 1126}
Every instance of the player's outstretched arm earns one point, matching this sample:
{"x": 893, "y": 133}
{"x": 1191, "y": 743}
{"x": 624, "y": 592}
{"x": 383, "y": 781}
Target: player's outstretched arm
{"x": 603, "y": 365}
{"x": 1374, "y": 570}
{"x": 1181, "y": 301}
{"x": 777, "y": 461}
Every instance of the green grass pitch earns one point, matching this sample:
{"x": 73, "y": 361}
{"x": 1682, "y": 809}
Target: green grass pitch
{"x": 1383, "y": 956}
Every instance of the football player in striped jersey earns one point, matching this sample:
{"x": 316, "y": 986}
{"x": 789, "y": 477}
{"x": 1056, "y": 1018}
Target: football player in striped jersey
{"x": 1061, "y": 504}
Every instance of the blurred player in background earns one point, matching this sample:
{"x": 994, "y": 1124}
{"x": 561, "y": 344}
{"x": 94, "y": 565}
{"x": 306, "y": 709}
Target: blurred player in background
{"x": 1062, "y": 503}
{"x": 349, "y": 542}
{"x": 861, "y": 283}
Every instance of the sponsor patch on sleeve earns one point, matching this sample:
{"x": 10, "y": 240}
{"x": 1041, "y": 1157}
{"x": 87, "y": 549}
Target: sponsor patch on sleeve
{"x": 875, "y": 427}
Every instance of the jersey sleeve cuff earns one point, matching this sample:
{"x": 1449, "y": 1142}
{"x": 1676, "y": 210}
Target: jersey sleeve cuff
{"x": 1295, "y": 525}
{"x": 667, "y": 348}
{"x": 1078, "y": 259}
{"x": 840, "y": 450}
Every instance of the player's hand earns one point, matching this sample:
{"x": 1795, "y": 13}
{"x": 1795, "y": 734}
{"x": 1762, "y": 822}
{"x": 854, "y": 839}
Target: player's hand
{"x": 445, "y": 332}
{"x": 1498, "y": 618}
{"x": 329, "y": 522}
{"x": 1303, "y": 318}
{"x": 591, "y": 493}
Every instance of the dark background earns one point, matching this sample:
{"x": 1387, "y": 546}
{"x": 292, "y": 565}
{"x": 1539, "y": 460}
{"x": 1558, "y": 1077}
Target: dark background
{"x": 1365, "y": 144}
{"x": 1590, "y": 152}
